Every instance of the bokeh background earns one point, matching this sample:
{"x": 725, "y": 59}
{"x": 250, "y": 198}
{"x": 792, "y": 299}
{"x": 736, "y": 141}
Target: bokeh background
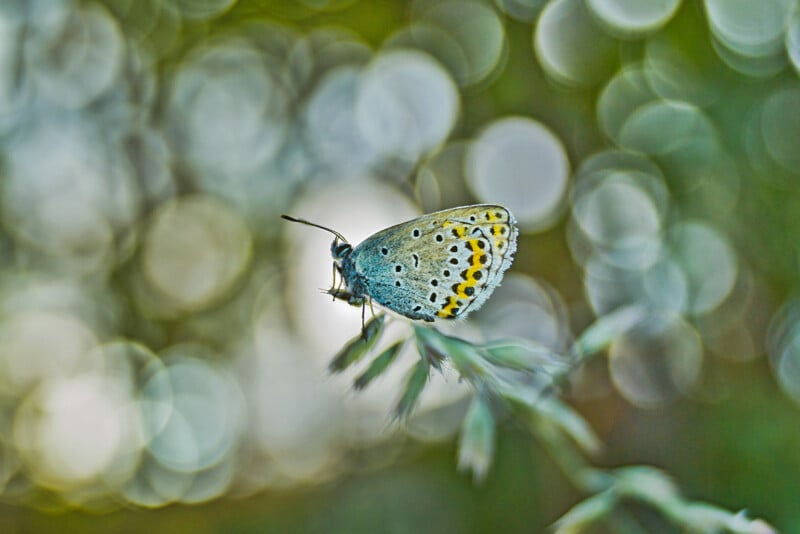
{"x": 164, "y": 338}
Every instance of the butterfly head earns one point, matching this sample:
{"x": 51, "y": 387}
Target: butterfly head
{"x": 340, "y": 251}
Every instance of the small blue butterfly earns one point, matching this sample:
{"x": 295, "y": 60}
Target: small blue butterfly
{"x": 439, "y": 266}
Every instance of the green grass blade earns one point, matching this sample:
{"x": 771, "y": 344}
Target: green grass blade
{"x": 414, "y": 385}
{"x": 378, "y": 366}
{"x": 358, "y": 346}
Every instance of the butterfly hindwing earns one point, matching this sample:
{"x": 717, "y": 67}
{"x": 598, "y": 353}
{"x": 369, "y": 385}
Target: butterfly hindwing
{"x": 443, "y": 265}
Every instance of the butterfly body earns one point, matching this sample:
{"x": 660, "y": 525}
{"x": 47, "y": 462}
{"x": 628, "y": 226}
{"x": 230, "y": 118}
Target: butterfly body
{"x": 439, "y": 266}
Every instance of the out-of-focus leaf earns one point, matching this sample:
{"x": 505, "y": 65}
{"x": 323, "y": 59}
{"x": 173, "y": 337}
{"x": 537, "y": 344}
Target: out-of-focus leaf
{"x": 358, "y": 346}
{"x": 571, "y": 422}
{"x": 647, "y": 484}
{"x": 524, "y": 355}
{"x": 655, "y": 488}
{"x": 605, "y": 329}
{"x": 741, "y": 524}
{"x": 585, "y": 513}
{"x": 541, "y": 404}
{"x": 430, "y": 346}
{"x": 476, "y": 446}
{"x": 467, "y": 358}
{"x": 378, "y": 366}
{"x": 414, "y": 386}
{"x": 702, "y": 517}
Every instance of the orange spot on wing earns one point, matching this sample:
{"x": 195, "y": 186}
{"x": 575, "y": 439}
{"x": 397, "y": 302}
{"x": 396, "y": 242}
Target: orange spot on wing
{"x": 477, "y": 261}
{"x": 449, "y": 309}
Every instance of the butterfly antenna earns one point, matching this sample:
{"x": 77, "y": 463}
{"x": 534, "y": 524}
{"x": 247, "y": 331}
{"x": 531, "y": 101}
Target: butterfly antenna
{"x": 309, "y": 223}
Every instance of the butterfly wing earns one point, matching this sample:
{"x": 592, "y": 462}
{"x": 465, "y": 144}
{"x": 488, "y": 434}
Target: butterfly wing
{"x": 443, "y": 264}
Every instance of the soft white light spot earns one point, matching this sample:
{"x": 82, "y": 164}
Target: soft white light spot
{"x": 406, "y": 104}
{"x": 570, "y": 46}
{"x": 519, "y": 163}
{"x": 708, "y": 262}
{"x": 634, "y": 18}
{"x": 656, "y": 361}
{"x": 195, "y": 250}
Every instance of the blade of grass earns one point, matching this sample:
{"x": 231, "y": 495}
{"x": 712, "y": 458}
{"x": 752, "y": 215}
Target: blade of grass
{"x": 378, "y": 365}
{"x": 358, "y": 346}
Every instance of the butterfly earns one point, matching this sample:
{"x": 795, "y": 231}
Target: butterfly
{"x": 442, "y": 265}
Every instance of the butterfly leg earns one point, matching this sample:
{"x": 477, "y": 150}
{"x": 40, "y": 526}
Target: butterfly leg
{"x": 363, "y": 324}
{"x": 333, "y": 284}
{"x": 335, "y": 288}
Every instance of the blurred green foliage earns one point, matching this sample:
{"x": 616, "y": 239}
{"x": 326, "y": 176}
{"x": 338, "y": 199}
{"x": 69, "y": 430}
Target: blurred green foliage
{"x": 732, "y": 442}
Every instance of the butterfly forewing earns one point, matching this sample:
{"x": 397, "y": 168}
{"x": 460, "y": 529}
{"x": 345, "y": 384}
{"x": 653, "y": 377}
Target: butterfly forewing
{"x": 441, "y": 265}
